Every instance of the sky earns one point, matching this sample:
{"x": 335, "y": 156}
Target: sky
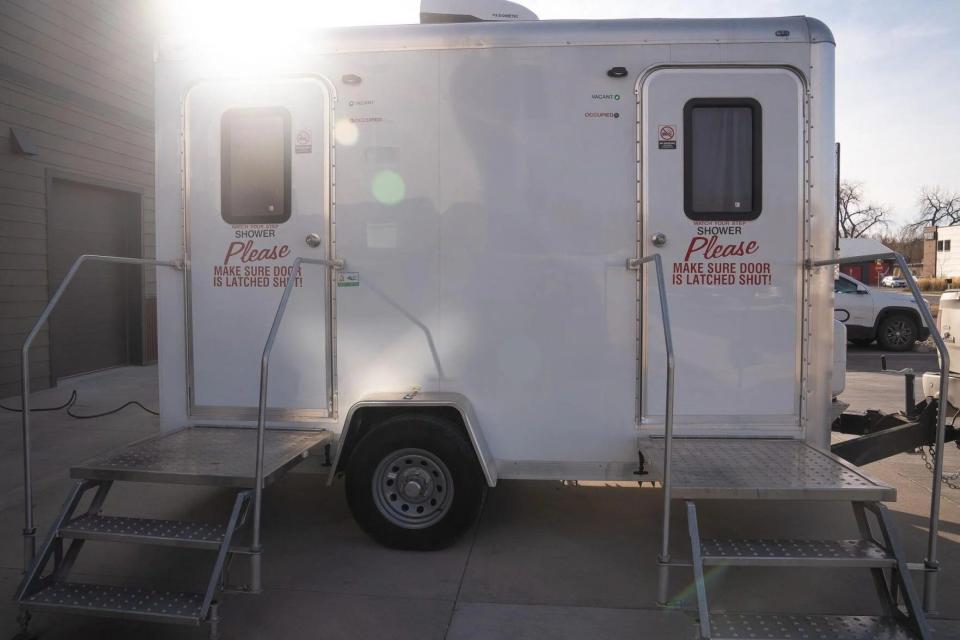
{"x": 898, "y": 72}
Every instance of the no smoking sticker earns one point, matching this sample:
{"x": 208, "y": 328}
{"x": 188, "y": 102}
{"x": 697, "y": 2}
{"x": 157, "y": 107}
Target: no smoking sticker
{"x": 304, "y": 142}
{"x": 667, "y": 136}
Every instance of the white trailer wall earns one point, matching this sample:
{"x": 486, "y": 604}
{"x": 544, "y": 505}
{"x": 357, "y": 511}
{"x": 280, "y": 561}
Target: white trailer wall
{"x": 486, "y": 195}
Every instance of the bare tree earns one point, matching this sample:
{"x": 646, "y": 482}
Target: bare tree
{"x": 907, "y": 241}
{"x": 938, "y": 208}
{"x": 857, "y": 217}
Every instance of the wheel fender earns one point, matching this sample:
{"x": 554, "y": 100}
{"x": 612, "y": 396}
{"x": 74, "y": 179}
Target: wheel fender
{"x": 406, "y": 402}
{"x": 886, "y": 312}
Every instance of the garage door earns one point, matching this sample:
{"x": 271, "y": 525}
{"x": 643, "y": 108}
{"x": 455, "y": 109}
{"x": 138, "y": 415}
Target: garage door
{"x": 98, "y": 322}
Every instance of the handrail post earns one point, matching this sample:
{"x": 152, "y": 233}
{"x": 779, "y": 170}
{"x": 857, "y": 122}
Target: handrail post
{"x": 256, "y": 547}
{"x": 29, "y": 528}
{"x": 931, "y": 562}
{"x": 664, "y": 557}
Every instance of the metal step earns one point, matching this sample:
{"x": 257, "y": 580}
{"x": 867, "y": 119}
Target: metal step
{"x": 133, "y": 603}
{"x": 795, "y": 553}
{"x": 172, "y": 533}
{"x": 212, "y": 456}
{"x": 759, "y": 469}
{"x": 731, "y": 626}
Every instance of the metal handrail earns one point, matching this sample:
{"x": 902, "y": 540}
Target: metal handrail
{"x": 255, "y": 546}
{"x": 664, "y": 558}
{"x": 29, "y": 530}
{"x": 931, "y": 562}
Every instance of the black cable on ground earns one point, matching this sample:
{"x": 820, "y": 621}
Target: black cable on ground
{"x": 74, "y": 397}
{"x": 66, "y": 405}
{"x": 112, "y": 411}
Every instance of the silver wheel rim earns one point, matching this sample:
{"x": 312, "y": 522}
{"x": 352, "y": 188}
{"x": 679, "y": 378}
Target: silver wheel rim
{"x": 899, "y": 333}
{"x": 412, "y": 488}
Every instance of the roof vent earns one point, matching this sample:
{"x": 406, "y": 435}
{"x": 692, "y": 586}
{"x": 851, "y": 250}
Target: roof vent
{"x": 446, "y": 11}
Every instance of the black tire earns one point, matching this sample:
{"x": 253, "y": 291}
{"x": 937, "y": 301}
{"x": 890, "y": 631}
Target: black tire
{"x": 897, "y": 332}
{"x": 426, "y": 453}
{"x": 861, "y": 342}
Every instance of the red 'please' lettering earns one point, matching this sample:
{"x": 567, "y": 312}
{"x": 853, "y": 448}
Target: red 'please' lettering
{"x": 711, "y": 248}
{"x": 245, "y": 252}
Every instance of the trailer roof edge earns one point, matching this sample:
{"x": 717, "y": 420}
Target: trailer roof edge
{"x": 819, "y": 31}
{"x": 548, "y": 33}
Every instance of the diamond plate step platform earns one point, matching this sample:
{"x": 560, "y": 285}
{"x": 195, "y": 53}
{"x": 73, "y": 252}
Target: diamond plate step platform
{"x": 174, "y": 533}
{"x": 219, "y": 456}
{"x": 119, "y": 602}
{"x": 795, "y": 553}
{"x": 760, "y": 469}
{"x": 805, "y": 627}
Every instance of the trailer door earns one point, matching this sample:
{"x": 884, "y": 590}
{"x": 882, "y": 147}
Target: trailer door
{"x": 257, "y": 195}
{"x": 722, "y": 175}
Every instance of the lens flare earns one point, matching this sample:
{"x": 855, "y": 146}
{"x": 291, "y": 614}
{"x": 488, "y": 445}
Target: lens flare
{"x": 346, "y": 132}
{"x": 388, "y": 187}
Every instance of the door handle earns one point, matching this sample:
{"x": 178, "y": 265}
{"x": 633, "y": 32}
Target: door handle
{"x": 658, "y": 239}
{"x": 313, "y": 240}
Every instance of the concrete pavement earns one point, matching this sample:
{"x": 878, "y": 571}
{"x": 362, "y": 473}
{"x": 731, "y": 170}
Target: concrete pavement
{"x": 546, "y": 560}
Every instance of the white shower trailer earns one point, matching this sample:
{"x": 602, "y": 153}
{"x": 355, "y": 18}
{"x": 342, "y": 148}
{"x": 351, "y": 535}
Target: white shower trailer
{"x": 479, "y": 189}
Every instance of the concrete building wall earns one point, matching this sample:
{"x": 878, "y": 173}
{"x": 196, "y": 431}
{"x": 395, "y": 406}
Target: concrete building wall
{"x": 929, "y": 267}
{"x": 947, "y": 263}
{"x": 76, "y": 81}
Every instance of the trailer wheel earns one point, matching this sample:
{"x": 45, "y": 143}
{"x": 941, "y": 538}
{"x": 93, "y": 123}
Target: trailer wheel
{"x": 413, "y": 482}
{"x": 897, "y": 332}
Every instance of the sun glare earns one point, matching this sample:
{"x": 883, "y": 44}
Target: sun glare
{"x": 261, "y": 32}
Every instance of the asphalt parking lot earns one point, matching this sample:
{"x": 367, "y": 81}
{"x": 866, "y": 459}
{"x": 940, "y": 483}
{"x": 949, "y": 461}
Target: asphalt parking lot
{"x": 869, "y": 359}
{"x": 555, "y": 560}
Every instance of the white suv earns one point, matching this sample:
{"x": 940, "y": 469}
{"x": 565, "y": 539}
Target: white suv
{"x": 892, "y": 319}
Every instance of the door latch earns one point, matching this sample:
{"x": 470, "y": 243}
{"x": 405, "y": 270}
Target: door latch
{"x": 634, "y": 263}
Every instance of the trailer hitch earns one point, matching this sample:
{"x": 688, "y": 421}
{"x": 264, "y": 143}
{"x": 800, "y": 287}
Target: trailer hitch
{"x": 909, "y": 386}
{"x": 882, "y": 435}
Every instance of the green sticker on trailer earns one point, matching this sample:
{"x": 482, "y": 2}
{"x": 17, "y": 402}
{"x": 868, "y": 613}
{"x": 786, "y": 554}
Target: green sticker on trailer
{"x": 348, "y": 279}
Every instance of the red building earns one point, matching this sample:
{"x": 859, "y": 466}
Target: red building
{"x": 868, "y": 272}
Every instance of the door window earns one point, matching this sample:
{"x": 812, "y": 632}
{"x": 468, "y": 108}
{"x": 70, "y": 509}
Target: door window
{"x": 842, "y": 285}
{"x": 255, "y": 166}
{"x": 722, "y": 159}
